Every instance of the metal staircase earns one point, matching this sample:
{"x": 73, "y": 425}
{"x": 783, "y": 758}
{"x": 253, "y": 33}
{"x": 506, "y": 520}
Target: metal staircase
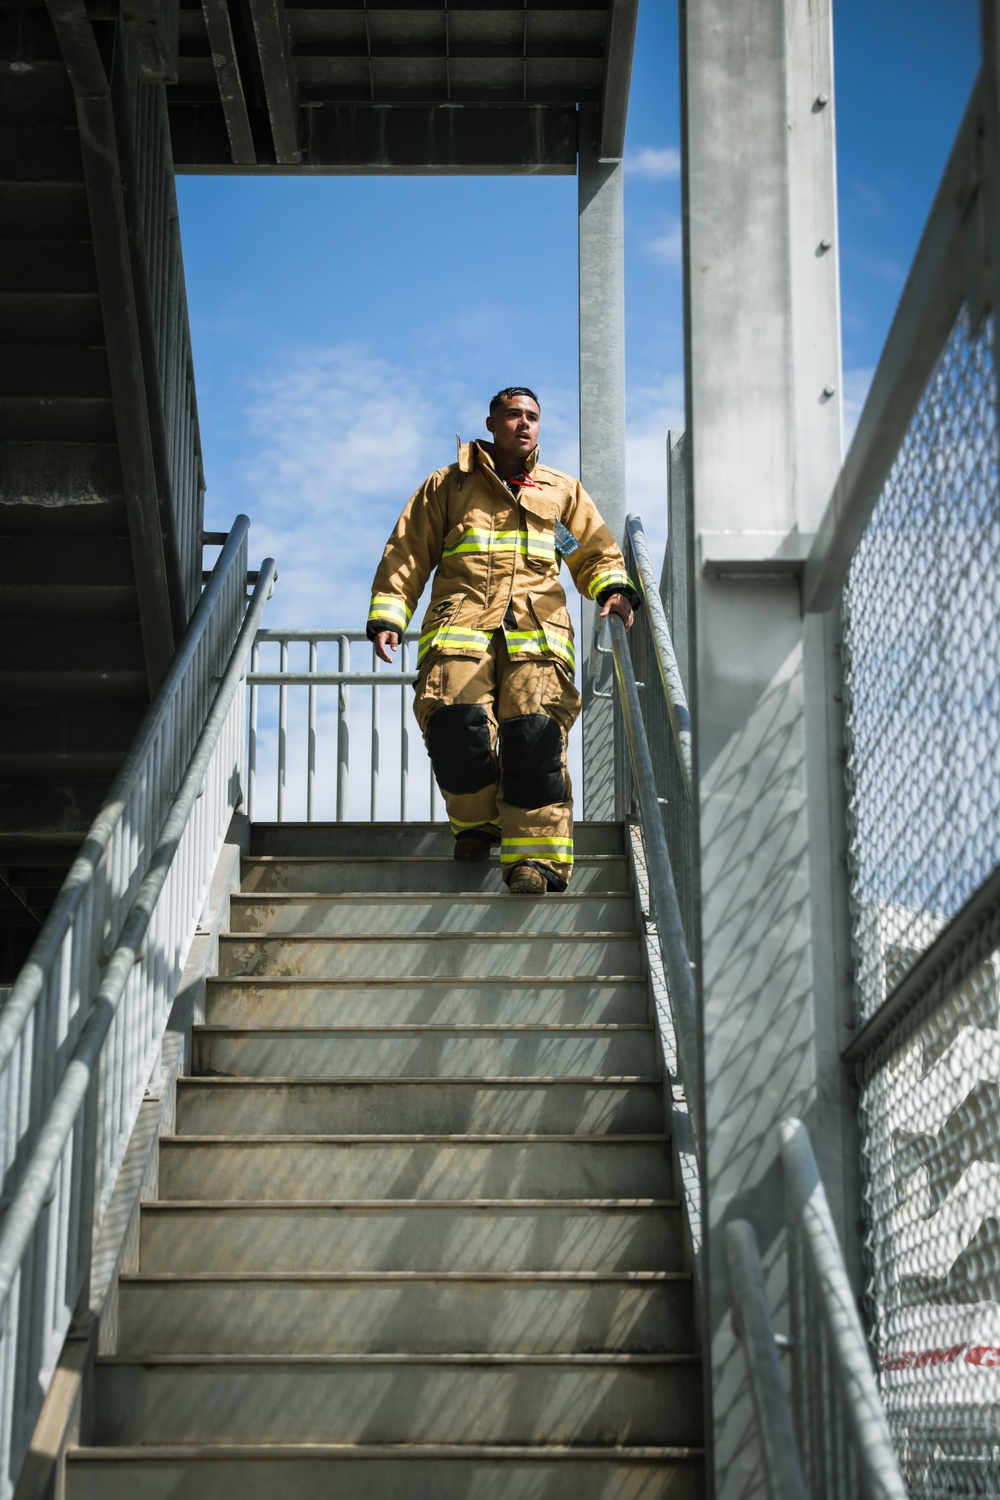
{"x": 73, "y": 683}
{"x": 417, "y": 1231}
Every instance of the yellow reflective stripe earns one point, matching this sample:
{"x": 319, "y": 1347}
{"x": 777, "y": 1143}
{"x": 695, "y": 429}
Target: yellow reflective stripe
{"x": 452, "y": 638}
{"x": 388, "y": 607}
{"x": 501, "y": 541}
{"x": 617, "y": 579}
{"x": 541, "y": 643}
{"x": 555, "y": 851}
{"x": 457, "y": 825}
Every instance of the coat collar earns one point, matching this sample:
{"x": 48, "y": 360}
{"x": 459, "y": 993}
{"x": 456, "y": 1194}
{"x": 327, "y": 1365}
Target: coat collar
{"x": 480, "y": 452}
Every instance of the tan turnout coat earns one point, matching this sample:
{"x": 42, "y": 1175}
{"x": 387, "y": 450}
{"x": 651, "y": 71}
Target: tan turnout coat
{"x": 492, "y": 552}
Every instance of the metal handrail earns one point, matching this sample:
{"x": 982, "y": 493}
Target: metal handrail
{"x": 856, "y": 1402}
{"x": 755, "y": 1330}
{"x": 28, "y": 985}
{"x": 666, "y": 661}
{"x": 670, "y": 928}
{"x": 809, "y": 1214}
{"x": 30, "y": 1198}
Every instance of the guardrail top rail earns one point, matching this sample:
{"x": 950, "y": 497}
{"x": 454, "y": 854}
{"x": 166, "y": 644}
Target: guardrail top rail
{"x": 298, "y": 741}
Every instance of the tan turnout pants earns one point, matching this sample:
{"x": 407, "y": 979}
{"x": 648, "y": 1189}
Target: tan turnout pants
{"x": 496, "y": 732}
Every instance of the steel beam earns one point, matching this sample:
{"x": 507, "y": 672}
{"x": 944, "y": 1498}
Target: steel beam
{"x": 602, "y": 413}
{"x": 397, "y": 139}
{"x": 762, "y": 347}
{"x": 274, "y": 48}
{"x": 219, "y": 26}
{"x": 109, "y": 232}
{"x": 618, "y": 50}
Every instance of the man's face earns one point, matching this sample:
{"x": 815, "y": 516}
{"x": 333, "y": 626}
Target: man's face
{"x": 514, "y": 426}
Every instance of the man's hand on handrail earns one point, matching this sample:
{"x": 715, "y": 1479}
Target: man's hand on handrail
{"x": 386, "y": 638}
{"x": 618, "y": 604}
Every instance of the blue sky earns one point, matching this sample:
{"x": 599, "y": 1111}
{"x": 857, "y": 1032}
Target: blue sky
{"x": 345, "y": 328}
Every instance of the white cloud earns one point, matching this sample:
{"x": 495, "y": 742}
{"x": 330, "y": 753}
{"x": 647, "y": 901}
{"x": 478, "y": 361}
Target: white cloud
{"x": 336, "y": 442}
{"x": 653, "y": 411}
{"x": 668, "y": 247}
{"x": 655, "y": 163}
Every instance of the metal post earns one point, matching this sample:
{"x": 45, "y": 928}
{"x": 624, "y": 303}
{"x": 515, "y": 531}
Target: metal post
{"x": 404, "y": 737}
{"x": 763, "y": 406}
{"x": 374, "y": 749}
{"x": 677, "y": 580}
{"x": 343, "y": 730}
{"x": 602, "y": 413}
{"x": 311, "y": 744}
{"x": 756, "y": 1333}
{"x": 282, "y": 733}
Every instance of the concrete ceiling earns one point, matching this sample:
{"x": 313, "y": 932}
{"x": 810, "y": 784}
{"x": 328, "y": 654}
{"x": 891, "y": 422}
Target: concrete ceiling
{"x": 391, "y": 87}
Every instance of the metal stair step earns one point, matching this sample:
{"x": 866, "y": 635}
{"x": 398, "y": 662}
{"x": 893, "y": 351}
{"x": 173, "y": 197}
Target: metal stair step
{"x": 591, "y": 872}
{"x": 479, "y": 1235}
{"x": 403, "y": 1107}
{"x": 639, "y": 1312}
{"x": 40, "y": 153}
{"x": 477, "y": 913}
{"x": 410, "y": 1472}
{"x": 72, "y": 489}
{"x": 398, "y": 840}
{"x": 392, "y": 1399}
{"x": 520, "y": 952}
{"x": 44, "y": 210}
{"x": 307, "y": 1002}
{"x": 425, "y": 1052}
{"x": 400, "y": 1167}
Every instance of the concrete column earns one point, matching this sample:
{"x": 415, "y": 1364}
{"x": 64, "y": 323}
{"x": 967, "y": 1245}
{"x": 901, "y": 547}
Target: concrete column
{"x": 763, "y": 397}
{"x": 602, "y": 413}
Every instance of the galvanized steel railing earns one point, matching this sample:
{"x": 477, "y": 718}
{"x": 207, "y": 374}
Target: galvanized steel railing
{"x": 839, "y": 1429}
{"x": 839, "y": 1444}
{"x": 80, "y": 1031}
{"x": 669, "y": 922}
{"x": 312, "y": 762}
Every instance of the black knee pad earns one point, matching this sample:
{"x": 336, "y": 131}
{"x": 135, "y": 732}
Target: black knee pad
{"x": 459, "y": 745}
{"x": 531, "y": 749}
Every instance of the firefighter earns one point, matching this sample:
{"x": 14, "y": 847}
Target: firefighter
{"x": 495, "y": 697}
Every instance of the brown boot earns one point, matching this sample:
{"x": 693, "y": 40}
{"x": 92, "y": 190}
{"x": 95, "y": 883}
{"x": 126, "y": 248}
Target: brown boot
{"x": 472, "y": 845}
{"x": 525, "y": 880}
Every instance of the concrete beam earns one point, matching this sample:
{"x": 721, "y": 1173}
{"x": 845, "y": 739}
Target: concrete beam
{"x": 618, "y": 50}
{"x": 396, "y": 139}
{"x": 763, "y": 394}
{"x": 219, "y": 26}
{"x": 112, "y": 255}
{"x": 281, "y": 90}
{"x": 602, "y": 411}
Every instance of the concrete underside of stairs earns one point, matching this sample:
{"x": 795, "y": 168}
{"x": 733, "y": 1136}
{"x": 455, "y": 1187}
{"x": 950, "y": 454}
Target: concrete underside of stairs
{"x": 417, "y": 1231}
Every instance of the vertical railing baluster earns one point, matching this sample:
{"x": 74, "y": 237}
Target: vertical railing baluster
{"x": 252, "y": 738}
{"x": 311, "y": 744}
{"x": 404, "y": 737}
{"x": 343, "y": 730}
{"x": 282, "y": 730}
{"x": 374, "y": 753}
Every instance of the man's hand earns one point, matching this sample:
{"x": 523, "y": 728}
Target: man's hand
{"x": 386, "y": 638}
{"x": 619, "y": 605}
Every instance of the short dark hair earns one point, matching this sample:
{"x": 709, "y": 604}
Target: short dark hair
{"x": 509, "y": 391}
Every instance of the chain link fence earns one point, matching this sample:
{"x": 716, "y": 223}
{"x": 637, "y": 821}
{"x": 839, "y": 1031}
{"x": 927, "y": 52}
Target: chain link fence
{"x": 922, "y": 694}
